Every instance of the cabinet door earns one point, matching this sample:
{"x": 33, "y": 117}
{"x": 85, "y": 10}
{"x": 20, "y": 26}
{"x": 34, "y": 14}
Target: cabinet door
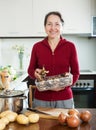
{"x": 93, "y": 7}
{"x": 40, "y": 9}
{"x": 16, "y": 18}
{"x": 76, "y": 14}
{"x": 6, "y": 17}
{"x": 23, "y": 17}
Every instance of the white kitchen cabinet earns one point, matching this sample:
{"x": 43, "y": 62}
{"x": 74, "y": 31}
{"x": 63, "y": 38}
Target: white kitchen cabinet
{"x": 76, "y": 14}
{"x": 6, "y": 17}
{"x": 25, "y": 18}
{"x": 93, "y": 7}
{"x": 16, "y": 18}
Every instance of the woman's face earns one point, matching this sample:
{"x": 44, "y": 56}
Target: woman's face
{"x": 53, "y": 26}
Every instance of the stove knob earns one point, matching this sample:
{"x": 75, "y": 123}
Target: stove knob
{"x": 81, "y": 85}
{"x": 88, "y": 84}
{"x": 84, "y": 84}
{"x": 76, "y": 84}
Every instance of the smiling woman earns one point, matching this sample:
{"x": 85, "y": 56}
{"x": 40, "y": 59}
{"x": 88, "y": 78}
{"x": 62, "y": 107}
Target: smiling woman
{"x": 48, "y": 53}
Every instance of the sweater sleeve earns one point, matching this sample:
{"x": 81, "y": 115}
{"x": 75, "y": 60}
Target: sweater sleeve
{"x": 32, "y": 63}
{"x": 74, "y": 64}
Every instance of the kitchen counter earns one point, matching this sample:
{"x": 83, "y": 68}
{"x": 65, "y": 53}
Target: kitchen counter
{"x": 53, "y": 124}
{"x": 87, "y": 72}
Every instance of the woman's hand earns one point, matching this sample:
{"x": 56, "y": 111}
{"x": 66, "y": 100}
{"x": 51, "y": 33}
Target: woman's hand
{"x": 40, "y": 74}
{"x": 58, "y": 89}
{"x": 37, "y": 74}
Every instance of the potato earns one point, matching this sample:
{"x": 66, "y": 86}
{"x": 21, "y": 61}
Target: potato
{"x": 4, "y": 113}
{"x": 5, "y": 120}
{"x": 2, "y": 125}
{"x": 22, "y": 119}
{"x": 11, "y": 116}
{"x": 33, "y": 118}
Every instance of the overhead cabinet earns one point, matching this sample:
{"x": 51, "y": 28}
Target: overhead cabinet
{"x": 25, "y": 18}
{"x": 16, "y": 18}
{"x": 76, "y": 14}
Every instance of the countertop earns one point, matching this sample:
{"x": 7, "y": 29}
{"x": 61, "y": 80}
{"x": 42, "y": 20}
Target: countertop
{"x": 87, "y": 72}
{"x": 53, "y": 124}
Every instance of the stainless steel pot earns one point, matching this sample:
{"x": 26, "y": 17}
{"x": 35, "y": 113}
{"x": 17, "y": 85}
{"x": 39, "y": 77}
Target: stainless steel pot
{"x": 12, "y": 100}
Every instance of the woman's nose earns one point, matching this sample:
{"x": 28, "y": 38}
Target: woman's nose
{"x": 53, "y": 26}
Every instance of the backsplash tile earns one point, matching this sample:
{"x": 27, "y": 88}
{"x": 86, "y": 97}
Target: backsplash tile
{"x": 85, "y": 49}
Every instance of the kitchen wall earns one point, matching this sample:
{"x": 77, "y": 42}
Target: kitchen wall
{"x": 85, "y": 47}
{"x": 22, "y": 20}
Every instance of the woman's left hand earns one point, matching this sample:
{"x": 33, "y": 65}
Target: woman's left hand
{"x": 58, "y": 89}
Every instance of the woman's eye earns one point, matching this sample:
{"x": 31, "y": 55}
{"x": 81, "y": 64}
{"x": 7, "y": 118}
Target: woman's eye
{"x": 48, "y": 23}
{"x": 57, "y": 24}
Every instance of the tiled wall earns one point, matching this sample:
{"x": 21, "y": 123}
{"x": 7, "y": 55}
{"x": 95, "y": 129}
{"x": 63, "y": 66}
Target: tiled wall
{"x": 85, "y": 47}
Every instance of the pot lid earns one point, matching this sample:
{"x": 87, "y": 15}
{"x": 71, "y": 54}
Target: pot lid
{"x": 10, "y": 93}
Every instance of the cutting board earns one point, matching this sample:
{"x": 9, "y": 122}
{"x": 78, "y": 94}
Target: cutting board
{"x": 48, "y": 113}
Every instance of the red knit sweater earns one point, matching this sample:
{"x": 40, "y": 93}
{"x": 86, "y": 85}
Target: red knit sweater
{"x": 62, "y": 60}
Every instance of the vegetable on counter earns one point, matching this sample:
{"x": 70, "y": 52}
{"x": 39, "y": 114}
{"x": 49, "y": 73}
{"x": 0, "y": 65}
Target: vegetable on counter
{"x": 74, "y": 118}
{"x": 9, "y": 116}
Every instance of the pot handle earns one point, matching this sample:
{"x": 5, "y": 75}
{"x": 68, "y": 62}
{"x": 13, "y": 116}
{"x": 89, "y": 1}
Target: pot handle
{"x": 23, "y": 97}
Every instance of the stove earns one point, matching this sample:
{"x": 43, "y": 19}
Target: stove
{"x": 86, "y": 80}
{"x": 84, "y": 84}
{"x": 84, "y": 90}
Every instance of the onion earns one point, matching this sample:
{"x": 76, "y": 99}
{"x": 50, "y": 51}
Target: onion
{"x": 85, "y": 116}
{"x": 73, "y": 112}
{"x": 62, "y": 118}
{"x": 73, "y": 121}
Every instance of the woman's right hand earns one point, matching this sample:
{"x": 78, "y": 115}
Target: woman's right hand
{"x": 37, "y": 73}
{"x": 40, "y": 74}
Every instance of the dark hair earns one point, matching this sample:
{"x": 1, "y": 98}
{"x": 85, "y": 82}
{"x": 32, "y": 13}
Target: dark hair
{"x": 53, "y": 13}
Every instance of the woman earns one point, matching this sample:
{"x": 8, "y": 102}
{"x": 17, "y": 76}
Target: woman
{"x": 58, "y": 56}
